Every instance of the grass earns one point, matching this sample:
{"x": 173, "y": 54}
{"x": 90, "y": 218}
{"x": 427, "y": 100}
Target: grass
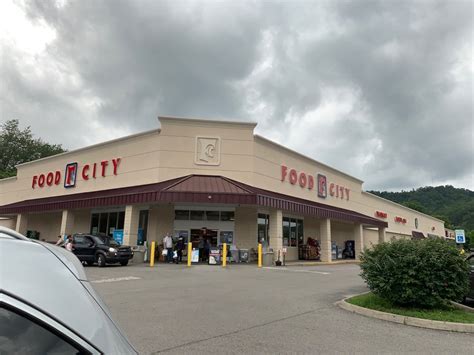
{"x": 445, "y": 314}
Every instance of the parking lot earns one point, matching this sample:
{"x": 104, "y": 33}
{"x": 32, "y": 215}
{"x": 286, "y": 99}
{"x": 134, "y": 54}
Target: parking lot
{"x": 208, "y": 309}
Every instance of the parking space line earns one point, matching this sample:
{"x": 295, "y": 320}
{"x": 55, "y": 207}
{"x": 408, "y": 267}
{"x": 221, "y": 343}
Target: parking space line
{"x": 115, "y": 279}
{"x": 291, "y": 270}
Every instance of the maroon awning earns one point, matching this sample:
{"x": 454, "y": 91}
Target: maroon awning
{"x": 190, "y": 189}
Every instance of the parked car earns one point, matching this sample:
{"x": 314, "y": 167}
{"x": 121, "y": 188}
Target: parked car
{"x": 470, "y": 260}
{"x": 47, "y": 306}
{"x": 100, "y": 249}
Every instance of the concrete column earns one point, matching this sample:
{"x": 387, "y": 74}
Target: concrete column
{"x": 382, "y": 236}
{"x": 358, "y": 239}
{"x": 21, "y": 223}
{"x": 276, "y": 233}
{"x": 325, "y": 232}
{"x": 160, "y": 222}
{"x": 67, "y": 222}
{"x": 130, "y": 225}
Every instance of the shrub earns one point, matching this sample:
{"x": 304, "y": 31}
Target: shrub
{"x": 426, "y": 273}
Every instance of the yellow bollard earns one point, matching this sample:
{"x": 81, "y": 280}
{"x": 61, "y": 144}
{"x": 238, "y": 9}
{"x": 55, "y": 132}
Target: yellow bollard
{"x": 259, "y": 254}
{"x": 224, "y": 254}
{"x": 152, "y": 254}
{"x": 190, "y": 252}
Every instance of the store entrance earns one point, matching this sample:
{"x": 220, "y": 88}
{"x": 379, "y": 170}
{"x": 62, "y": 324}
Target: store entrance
{"x": 206, "y": 234}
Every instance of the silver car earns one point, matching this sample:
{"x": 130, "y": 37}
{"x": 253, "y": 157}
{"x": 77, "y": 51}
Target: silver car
{"x": 47, "y": 306}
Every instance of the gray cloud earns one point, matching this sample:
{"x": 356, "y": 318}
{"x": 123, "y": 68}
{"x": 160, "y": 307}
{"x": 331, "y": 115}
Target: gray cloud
{"x": 378, "y": 89}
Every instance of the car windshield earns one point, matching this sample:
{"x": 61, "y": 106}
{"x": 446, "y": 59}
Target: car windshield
{"x": 107, "y": 241}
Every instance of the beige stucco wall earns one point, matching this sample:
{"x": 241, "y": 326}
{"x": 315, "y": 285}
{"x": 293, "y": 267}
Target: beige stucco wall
{"x": 48, "y": 224}
{"x": 160, "y": 222}
{"x": 340, "y": 232}
{"x": 246, "y": 227}
{"x": 8, "y": 223}
{"x": 371, "y": 237}
{"x": 82, "y": 221}
{"x": 171, "y": 151}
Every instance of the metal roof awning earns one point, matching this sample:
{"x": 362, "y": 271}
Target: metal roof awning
{"x": 191, "y": 189}
{"x": 417, "y": 235}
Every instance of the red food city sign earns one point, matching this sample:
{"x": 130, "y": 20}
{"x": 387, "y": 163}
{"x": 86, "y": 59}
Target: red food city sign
{"x": 400, "y": 220}
{"x": 88, "y": 171}
{"x": 306, "y": 181}
{"x": 380, "y": 214}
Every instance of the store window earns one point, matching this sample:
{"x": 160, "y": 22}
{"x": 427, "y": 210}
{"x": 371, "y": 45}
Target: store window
{"x": 181, "y": 215}
{"x": 227, "y": 215}
{"x": 212, "y": 215}
{"x": 142, "y": 227}
{"x": 292, "y": 232}
{"x": 286, "y": 232}
{"x": 197, "y": 215}
{"x": 107, "y": 222}
{"x": 226, "y": 237}
{"x": 263, "y": 228}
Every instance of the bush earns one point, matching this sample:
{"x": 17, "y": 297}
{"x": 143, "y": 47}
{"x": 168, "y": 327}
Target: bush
{"x": 426, "y": 273}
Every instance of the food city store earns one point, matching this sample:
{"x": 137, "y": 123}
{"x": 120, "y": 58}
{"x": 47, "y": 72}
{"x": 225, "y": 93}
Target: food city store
{"x": 202, "y": 178}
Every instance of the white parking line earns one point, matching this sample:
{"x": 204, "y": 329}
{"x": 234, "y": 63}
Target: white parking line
{"x": 115, "y": 279}
{"x": 291, "y": 270}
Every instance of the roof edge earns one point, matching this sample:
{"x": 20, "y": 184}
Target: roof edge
{"x": 202, "y": 120}
{"x": 308, "y": 158}
{"x": 92, "y": 146}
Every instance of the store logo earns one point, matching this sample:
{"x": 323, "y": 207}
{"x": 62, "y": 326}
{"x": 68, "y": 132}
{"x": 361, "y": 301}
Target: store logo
{"x": 322, "y": 186}
{"x": 207, "y": 151}
{"x": 70, "y": 175}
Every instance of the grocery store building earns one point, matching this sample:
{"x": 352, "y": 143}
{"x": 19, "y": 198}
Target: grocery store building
{"x": 203, "y": 178}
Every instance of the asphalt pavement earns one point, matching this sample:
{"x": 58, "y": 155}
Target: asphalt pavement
{"x": 173, "y": 309}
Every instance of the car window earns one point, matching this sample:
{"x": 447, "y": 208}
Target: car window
{"x": 20, "y": 335}
{"x": 88, "y": 241}
{"x": 108, "y": 241}
{"x": 80, "y": 239}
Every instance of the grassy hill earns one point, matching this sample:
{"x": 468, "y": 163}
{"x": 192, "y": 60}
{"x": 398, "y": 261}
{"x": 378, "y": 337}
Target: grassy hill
{"x": 453, "y": 205}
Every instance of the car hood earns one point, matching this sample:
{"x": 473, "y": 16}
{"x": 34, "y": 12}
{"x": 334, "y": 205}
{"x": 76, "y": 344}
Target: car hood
{"x": 52, "y": 280}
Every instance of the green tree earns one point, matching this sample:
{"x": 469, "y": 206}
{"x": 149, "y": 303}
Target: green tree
{"x": 19, "y": 146}
{"x": 415, "y": 205}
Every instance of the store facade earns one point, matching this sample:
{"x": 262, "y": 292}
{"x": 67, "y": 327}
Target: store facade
{"x": 202, "y": 178}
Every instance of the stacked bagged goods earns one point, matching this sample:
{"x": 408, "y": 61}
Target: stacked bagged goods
{"x": 309, "y": 251}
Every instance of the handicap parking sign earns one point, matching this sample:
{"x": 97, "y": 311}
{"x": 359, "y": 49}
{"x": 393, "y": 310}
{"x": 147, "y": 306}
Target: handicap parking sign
{"x": 460, "y": 238}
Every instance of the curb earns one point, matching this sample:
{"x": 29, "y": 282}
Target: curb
{"x": 415, "y": 322}
{"x": 316, "y": 263}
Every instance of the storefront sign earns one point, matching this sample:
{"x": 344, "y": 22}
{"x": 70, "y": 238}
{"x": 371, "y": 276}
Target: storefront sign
{"x": 306, "y": 181}
{"x": 400, "y": 220}
{"x": 380, "y": 214}
{"x": 88, "y": 171}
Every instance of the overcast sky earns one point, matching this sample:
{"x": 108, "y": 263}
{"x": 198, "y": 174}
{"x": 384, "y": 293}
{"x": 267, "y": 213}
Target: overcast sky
{"x": 382, "y": 90}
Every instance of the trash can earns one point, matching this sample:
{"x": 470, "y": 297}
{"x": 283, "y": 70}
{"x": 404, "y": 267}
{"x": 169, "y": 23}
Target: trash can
{"x": 138, "y": 254}
{"x": 244, "y": 255}
{"x": 267, "y": 258}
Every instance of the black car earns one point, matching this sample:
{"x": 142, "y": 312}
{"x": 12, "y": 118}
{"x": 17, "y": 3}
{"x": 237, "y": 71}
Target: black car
{"x": 100, "y": 249}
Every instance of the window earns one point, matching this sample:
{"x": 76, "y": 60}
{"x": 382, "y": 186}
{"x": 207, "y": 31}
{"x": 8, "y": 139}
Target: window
{"x": 103, "y": 223}
{"x": 227, "y": 216}
{"x": 286, "y": 231}
{"x": 197, "y": 215}
{"x": 293, "y": 232}
{"x": 300, "y": 232}
{"x": 112, "y": 223}
{"x": 95, "y": 223}
{"x": 293, "y": 239}
{"x": 226, "y": 237}
{"x": 263, "y": 227}
{"x": 80, "y": 240}
{"x": 212, "y": 215}
{"x": 142, "y": 227}
{"x": 181, "y": 215}
{"x": 121, "y": 220}
{"x": 21, "y": 335}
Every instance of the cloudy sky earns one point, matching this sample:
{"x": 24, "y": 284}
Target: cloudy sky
{"x": 382, "y": 90}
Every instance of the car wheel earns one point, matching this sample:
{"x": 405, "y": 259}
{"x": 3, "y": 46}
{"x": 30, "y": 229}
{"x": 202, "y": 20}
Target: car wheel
{"x": 101, "y": 260}
{"x": 124, "y": 263}
{"x": 90, "y": 263}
